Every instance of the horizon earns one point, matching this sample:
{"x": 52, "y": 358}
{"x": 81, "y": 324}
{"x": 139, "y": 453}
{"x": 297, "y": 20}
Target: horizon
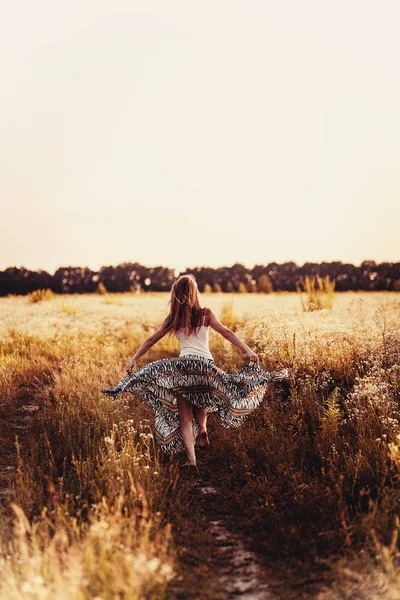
{"x": 181, "y": 270}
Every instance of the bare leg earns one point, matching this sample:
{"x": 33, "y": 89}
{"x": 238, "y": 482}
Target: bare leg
{"x": 185, "y": 412}
{"x": 201, "y": 417}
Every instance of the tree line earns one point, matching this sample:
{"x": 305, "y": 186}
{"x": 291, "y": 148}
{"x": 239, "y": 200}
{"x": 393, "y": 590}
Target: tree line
{"x": 135, "y": 277}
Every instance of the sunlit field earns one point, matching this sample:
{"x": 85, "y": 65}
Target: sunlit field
{"x": 93, "y": 510}
{"x": 119, "y": 310}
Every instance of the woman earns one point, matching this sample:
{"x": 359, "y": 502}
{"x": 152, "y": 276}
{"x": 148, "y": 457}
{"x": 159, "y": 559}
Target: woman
{"x": 191, "y": 385}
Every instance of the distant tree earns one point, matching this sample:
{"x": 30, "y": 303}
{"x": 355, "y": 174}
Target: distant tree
{"x": 242, "y": 287}
{"x": 238, "y": 273}
{"x": 134, "y": 276}
{"x": 265, "y": 284}
{"x": 207, "y": 288}
{"x": 23, "y": 281}
{"x": 203, "y": 276}
{"x": 74, "y": 280}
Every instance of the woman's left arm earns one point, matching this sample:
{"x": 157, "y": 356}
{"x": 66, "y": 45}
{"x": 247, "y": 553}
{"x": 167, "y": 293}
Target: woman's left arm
{"x": 147, "y": 344}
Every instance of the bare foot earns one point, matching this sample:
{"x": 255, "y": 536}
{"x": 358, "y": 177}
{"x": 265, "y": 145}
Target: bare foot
{"x": 191, "y": 467}
{"x": 203, "y": 441}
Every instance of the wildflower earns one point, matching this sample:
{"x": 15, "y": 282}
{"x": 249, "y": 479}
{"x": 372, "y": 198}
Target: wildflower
{"x": 100, "y": 525}
{"x": 167, "y": 571}
{"x": 153, "y": 564}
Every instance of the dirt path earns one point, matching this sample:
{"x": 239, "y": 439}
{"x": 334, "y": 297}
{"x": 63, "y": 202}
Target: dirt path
{"x": 240, "y": 570}
{"x": 15, "y": 422}
{"x": 217, "y": 562}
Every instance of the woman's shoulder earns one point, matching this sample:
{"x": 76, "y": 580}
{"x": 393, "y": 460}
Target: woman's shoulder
{"x": 206, "y": 310}
{"x": 206, "y": 315}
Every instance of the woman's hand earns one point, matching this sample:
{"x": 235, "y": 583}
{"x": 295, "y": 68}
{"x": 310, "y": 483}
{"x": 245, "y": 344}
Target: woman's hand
{"x": 131, "y": 364}
{"x": 252, "y": 356}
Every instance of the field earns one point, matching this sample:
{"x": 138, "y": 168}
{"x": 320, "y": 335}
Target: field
{"x": 309, "y": 486}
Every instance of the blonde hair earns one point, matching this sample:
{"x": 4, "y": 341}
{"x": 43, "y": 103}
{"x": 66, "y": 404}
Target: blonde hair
{"x": 185, "y": 311}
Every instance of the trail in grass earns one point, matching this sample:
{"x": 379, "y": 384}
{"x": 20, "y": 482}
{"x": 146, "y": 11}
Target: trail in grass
{"x": 240, "y": 570}
{"x": 219, "y": 564}
{"x": 15, "y": 422}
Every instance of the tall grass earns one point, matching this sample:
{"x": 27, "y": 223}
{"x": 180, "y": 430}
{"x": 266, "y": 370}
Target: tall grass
{"x": 319, "y": 292}
{"x": 90, "y": 491}
{"x": 313, "y": 475}
{"x": 40, "y": 295}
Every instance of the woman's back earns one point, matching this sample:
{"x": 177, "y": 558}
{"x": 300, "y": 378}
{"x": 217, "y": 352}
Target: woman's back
{"x": 197, "y": 341}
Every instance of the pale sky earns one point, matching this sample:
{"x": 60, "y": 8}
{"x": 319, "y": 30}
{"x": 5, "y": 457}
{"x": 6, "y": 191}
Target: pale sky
{"x": 199, "y": 133}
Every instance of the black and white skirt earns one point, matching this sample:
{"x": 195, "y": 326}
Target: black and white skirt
{"x": 203, "y": 384}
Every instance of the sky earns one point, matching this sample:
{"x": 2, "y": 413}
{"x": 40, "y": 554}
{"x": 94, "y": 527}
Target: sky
{"x": 199, "y": 133}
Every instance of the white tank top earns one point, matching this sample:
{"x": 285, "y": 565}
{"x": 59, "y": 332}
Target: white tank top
{"x": 196, "y": 343}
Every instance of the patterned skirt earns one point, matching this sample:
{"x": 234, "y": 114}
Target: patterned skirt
{"x": 203, "y": 384}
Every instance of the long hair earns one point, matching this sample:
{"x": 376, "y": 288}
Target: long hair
{"x": 185, "y": 311}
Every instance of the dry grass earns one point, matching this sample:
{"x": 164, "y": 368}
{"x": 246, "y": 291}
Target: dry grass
{"x": 314, "y": 474}
{"x": 40, "y": 295}
{"x": 89, "y": 496}
{"x": 319, "y": 292}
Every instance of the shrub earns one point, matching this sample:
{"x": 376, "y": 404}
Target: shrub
{"x": 207, "y": 289}
{"x": 265, "y": 284}
{"x": 40, "y": 295}
{"x": 252, "y": 286}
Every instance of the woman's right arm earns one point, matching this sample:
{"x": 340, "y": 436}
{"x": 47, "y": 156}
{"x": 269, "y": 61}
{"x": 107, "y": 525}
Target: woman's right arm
{"x": 230, "y": 335}
{"x": 147, "y": 344}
